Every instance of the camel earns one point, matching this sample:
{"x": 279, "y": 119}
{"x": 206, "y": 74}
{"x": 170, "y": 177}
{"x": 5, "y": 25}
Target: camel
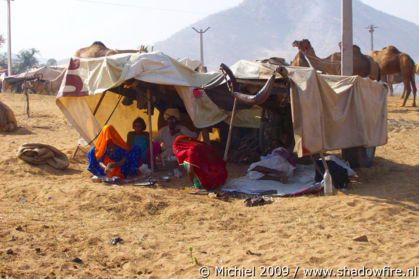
{"x": 300, "y": 60}
{"x": 8, "y": 121}
{"x": 98, "y": 49}
{"x": 417, "y": 68}
{"x": 392, "y": 61}
{"x": 363, "y": 65}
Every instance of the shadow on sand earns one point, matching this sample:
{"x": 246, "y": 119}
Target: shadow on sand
{"x": 389, "y": 182}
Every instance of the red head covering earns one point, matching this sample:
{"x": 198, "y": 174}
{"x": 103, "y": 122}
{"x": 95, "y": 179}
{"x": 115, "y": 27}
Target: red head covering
{"x": 209, "y": 167}
{"x": 108, "y": 133}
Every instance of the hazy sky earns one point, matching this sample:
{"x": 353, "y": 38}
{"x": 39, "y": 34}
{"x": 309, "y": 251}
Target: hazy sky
{"x": 57, "y": 28}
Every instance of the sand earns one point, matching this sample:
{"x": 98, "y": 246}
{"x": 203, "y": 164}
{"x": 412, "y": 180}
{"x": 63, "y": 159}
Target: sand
{"x": 49, "y": 217}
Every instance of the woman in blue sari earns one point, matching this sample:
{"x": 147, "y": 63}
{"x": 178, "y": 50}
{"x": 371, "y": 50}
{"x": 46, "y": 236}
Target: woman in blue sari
{"x": 112, "y": 157}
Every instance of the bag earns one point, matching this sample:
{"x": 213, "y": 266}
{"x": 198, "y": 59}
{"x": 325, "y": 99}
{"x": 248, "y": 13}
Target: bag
{"x": 339, "y": 174}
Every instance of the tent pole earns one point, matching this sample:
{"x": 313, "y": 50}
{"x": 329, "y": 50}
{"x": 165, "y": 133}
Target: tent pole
{"x": 100, "y": 102}
{"x": 94, "y": 113}
{"x": 151, "y": 130}
{"x": 233, "y": 114}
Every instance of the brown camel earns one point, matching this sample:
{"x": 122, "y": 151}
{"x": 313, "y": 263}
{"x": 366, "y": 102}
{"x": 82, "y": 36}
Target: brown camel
{"x": 392, "y": 61}
{"x": 98, "y": 49}
{"x": 300, "y": 60}
{"x": 8, "y": 121}
{"x": 417, "y": 68}
{"x": 362, "y": 64}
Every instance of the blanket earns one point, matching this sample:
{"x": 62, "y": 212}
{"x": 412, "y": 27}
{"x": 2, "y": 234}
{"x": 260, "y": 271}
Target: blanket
{"x": 38, "y": 154}
{"x": 301, "y": 183}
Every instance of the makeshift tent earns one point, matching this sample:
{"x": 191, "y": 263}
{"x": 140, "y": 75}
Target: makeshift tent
{"x": 46, "y": 73}
{"x": 328, "y": 112}
{"x": 92, "y": 89}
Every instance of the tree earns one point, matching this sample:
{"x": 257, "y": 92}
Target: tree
{"x": 1, "y": 41}
{"x": 26, "y": 60}
{"x": 3, "y": 61}
{"x": 51, "y": 62}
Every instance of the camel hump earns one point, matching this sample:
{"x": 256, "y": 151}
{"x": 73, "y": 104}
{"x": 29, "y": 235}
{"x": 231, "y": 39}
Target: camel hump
{"x": 356, "y": 49}
{"x": 99, "y": 43}
{"x": 391, "y": 49}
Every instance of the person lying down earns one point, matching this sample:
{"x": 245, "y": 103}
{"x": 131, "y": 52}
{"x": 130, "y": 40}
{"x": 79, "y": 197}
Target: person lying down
{"x": 277, "y": 165}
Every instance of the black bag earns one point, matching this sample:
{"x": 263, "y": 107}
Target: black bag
{"x": 339, "y": 174}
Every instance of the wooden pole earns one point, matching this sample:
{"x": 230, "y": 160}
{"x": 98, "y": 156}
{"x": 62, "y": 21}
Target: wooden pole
{"x": 94, "y": 113}
{"x": 233, "y": 114}
{"x": 150, "y": 129}
{"x": 99, "y": 103}
{"x": 27, "y": 101}
{"x": 347, "y": 38}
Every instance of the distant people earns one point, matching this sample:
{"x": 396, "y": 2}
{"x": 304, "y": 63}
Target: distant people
{"x": 168, "y": 134}
{"x": 205, "y": 168}
{"x": 140, "y": 138}
{"x": 111, "y": 156}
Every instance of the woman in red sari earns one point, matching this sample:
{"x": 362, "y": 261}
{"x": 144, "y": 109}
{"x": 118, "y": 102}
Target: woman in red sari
{"x": 205, "y": 168}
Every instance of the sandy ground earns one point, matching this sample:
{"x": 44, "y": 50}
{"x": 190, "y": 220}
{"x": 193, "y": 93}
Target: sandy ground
{"x": 49, "y": 217}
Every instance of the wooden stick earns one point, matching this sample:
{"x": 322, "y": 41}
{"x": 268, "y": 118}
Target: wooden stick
{"x": 27, "y": 102}
{"x": 100, "y": 102}
{"x": 94, "y": 113}
{"x": 151, "y": 129}
{"x": 233, "y": 114}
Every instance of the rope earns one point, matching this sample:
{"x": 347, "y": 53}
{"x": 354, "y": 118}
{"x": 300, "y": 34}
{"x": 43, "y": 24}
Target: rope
{"x": 109, "y": 118}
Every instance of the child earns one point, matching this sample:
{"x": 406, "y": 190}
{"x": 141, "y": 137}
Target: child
{"x": 139, "y": 137}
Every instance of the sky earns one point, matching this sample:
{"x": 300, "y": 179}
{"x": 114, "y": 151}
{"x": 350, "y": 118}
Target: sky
{"x": 57, "y": 28}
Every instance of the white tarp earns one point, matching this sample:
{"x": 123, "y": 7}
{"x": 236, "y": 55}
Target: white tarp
{"x": 87, "y": 79}
{"x": 45, "y": 73}
{"x": 329, "y": 112}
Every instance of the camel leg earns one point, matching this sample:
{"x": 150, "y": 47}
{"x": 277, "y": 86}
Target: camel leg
{"x": 403, "y": 93}
{"x": 414, "y": 90}
{"x": 390, "y": 86}
{"x": 406, "y": 91}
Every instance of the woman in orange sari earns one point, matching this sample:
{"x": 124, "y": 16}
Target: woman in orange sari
{"x": 112, "y": 157}
{"x": 205, "y": 168}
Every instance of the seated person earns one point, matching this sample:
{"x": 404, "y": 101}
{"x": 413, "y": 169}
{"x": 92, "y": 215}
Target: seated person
{"x": 277, "y": 165}
{"x": 168, "y": 134}
{"x": 110, "y": 157}
{"x": 139, "y": 137}
{"x": 205, "y": 168}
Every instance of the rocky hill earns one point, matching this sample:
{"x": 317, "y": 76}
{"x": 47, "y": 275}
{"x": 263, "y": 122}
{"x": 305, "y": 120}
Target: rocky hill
{"x": 264, "y": 28}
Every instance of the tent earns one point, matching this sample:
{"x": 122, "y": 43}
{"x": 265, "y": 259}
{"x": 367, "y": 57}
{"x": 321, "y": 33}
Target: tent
{"x": 46, "y": 73}
{"x": 91, "y": 92}
{"x": 328, "y": 112}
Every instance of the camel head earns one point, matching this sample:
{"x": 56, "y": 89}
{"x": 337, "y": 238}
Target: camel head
{"x": 143, "y": 49}
{"x": 302, "y": 45}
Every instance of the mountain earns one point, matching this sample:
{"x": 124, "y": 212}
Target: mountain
{"x": 264, "y": 28}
